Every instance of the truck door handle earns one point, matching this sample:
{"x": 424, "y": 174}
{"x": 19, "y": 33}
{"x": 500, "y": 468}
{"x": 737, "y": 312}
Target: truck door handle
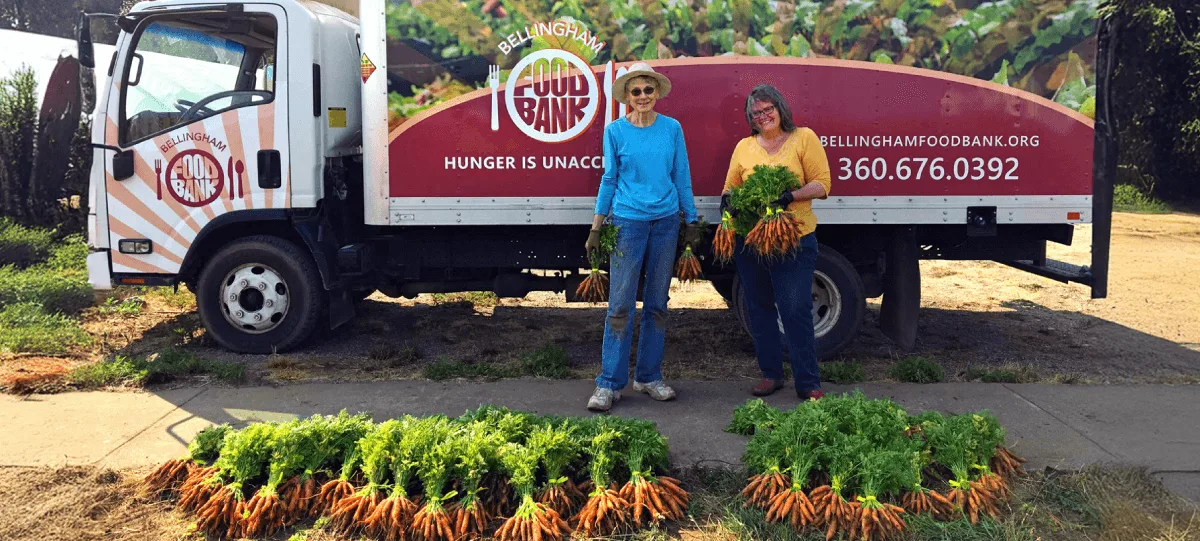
{"x": 270, "y": 170}
{"x": 122, "y": 161}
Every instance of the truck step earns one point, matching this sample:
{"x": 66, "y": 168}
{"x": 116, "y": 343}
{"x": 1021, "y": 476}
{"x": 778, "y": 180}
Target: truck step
{"x": 1055, "y": 270}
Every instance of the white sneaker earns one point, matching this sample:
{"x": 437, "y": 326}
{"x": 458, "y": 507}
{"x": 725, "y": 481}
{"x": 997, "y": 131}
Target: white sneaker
{"x": 656, "y": 389}
{"x": 603, "y": 399}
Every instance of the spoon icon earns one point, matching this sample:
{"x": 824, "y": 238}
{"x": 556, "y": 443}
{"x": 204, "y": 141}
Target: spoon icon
{"x": 241, "y": 168}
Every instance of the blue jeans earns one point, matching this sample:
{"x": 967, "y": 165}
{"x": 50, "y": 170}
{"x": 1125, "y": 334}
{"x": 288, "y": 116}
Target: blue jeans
{"x": 649, "y": 243}
{"x": 782, "y": 289}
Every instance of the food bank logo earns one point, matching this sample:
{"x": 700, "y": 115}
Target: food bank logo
{"x": 552, "y": 95}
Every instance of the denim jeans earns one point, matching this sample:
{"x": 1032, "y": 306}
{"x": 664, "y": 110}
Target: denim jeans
{"x": 782, "y": 287}
{"x": 652, "y": 244}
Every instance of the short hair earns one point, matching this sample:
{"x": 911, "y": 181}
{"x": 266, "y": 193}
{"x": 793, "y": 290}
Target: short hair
{"x": 768, "y": 93}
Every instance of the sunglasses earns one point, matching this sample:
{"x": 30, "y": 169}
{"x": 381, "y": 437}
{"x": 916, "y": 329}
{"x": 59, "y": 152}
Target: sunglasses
{"x": 638, "y": 91}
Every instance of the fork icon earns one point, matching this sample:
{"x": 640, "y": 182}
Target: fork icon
{"x": 158, "y": 177}
{"x": 494, "y": 82}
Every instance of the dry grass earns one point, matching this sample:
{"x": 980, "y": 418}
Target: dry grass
{"x": 76, "y": 503}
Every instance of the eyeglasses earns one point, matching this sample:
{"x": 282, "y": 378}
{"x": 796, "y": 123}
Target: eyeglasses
{"x": 649, "y": 90}
{"x": 765, "y": 113}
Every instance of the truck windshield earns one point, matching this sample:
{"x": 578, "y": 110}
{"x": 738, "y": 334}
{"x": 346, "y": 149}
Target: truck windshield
{"x": 183, "y": 71}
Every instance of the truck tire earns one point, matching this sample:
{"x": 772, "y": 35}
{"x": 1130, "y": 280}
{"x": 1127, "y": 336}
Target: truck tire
{"x": 260, "y": 294}
{"x": 839, "y": 303}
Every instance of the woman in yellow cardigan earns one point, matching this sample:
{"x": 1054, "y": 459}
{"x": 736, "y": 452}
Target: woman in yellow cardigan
{"x": 784, "y": 283}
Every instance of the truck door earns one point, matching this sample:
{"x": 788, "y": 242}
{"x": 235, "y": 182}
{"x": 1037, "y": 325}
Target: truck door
{"x": 199, "y": 125}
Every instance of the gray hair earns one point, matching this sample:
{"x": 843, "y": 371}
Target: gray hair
{"x": 768, "y": 93}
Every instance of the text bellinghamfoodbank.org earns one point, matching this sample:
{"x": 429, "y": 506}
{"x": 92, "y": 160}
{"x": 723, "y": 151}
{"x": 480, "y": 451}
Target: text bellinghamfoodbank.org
{"x": 937, "y": 141}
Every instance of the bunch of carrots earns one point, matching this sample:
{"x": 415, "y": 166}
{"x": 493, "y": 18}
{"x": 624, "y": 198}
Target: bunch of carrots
{"x": 846, "y": 465}
{"x": 594, "y": 288}
{"x": 261, "y": 480}
{"x": 769, "y": 230}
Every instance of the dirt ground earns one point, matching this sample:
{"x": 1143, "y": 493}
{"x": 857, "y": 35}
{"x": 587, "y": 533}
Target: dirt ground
{"x": 975, "y": 315}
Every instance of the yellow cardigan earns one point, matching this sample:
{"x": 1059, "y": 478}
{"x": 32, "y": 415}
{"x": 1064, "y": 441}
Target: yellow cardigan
{"x": 802, "y": 153}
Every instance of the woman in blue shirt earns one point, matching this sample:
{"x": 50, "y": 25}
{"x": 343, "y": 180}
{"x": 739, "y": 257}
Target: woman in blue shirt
{"x": 646, "y": 186}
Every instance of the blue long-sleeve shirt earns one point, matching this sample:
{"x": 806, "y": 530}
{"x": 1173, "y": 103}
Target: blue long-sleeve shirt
{"x": 646, "y": 173}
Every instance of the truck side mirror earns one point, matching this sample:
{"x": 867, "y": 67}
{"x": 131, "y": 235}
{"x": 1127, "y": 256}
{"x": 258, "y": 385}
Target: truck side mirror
{"x": 83, "y": 37}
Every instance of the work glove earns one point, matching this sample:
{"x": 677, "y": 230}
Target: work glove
{"x": 727, "y": 206}
{"x": 593, "y": 242}
{"x": 785, "y": 199}
{"x": 693, "y": 234}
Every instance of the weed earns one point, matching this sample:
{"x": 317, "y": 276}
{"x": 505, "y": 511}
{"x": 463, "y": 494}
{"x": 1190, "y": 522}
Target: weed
{"x": 916, "y": 369}
{"x": 550, "y": 361}
{"x": 1127, "y": 198}
{"x": 159, "y": 367}
{"x": 27, "y": 328}
{"x": 383, "y": 352}
{"x": 128, "y": 307}
{"x": 54, "y": 291}
{"x": 279, "y": 362}
{"x": 478, "y": 299}
{"x": 1007, "y": 373}
{"x": 444, "y": 369}
{"x": 115, "y": 373}
{"x": 179, "y": 299}
{"x": 23, "y": 246}
{"x": 843, "y": 373}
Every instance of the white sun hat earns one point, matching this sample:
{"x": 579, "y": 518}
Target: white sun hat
{"x": 640, "y": 69}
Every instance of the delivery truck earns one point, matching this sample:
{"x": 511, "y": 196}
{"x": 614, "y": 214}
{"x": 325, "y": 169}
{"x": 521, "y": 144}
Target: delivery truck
{"x": 285, "y": 159}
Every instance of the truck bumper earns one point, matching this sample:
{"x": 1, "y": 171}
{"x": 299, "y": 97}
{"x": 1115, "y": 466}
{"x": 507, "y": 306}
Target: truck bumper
{"x": 99, "y": 274}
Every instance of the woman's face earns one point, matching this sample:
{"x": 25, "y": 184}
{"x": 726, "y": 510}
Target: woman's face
{"x": 641, "y": 93}
{"x": 765, "y": 116}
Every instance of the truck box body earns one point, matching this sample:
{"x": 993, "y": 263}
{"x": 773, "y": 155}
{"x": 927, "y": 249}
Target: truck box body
{"x": 284, "y": 159}
{"x": 905, "y": 146}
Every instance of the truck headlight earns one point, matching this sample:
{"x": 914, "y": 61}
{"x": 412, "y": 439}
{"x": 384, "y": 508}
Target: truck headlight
{"x": 135, "y": 246}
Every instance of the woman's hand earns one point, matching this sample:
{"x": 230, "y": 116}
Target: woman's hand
{"x": 593, "y": 241}
{"x": 727, "y": 206}
{"x": 693, "y": 234}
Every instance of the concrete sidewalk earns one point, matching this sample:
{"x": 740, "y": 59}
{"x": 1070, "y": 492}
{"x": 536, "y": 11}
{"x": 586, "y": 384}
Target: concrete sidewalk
{"x": 1061, "y": 426}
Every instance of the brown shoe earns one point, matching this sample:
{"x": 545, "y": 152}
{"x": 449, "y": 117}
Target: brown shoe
{"x": 766, "y": 387}
{"x": 805, "y": 396}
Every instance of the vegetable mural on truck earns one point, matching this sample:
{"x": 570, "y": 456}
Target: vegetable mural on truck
{"x": 914, "y": 98}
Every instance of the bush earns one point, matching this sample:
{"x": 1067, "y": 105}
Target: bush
{"x": 27, "y": 328}
{"x": 23, "y": 246}
{"x": 548, "y": 362}
{"x": 69, "y": 255}
{"x": 1127, "y": 198}
{"x": 53, "y": 291}
{"x": 917, "y": 370}
{"x": 843, "y": 373}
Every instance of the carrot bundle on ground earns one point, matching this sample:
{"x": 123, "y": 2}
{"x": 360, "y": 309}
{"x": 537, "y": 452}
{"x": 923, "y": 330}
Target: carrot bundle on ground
{"x": 1007, "y": 464}
{"x": 762, "y": 488}
{"x": 532, "y": 520}
{"x": 605, "y": 511}
{"x": 724, "y": 240}
{"x": 777, "y": 233}
{"x": 350, "y": 515}
{"x": 875, "y": 520}
{"x": 169, "y": 477}
{"x": 832, "y": 511}
{"x": 652, "y": 499}
{"x": 559, "y": 448}
{"x": 245, "y": 455}
{"x": 432, "y": 522}
{"x": 264, "y": 474}
{"x": 687, "y": 268}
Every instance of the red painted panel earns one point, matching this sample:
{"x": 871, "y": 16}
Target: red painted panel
{"x": 1031, "y": 145}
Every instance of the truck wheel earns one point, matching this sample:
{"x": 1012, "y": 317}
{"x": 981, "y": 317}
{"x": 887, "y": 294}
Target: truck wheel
{"x": 839, "y": 303}
{"x": 261, "y": 294}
